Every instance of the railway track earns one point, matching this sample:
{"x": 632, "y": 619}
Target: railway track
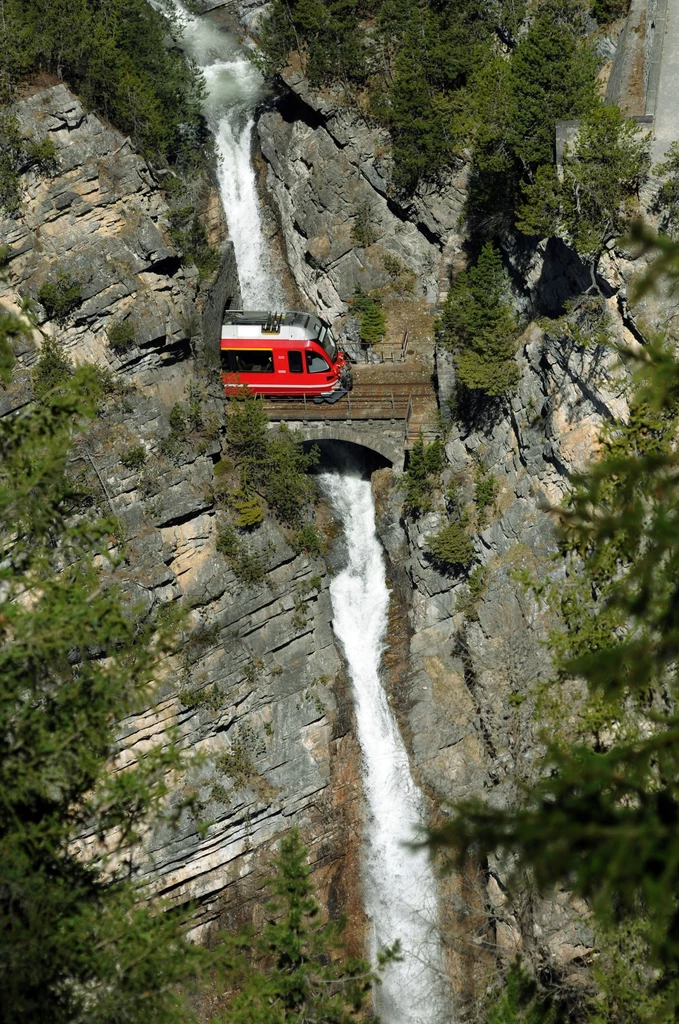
{"x": 367, "y": 402}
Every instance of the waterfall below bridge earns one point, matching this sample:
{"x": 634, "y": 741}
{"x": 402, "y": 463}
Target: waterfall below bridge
{"x": 401, "y": 898}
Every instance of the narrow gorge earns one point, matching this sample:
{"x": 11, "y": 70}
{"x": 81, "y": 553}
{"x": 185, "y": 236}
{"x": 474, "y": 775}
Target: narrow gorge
{"x": 335, "y": 671}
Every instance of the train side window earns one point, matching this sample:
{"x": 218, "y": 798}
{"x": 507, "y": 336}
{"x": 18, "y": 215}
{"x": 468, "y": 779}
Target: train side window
{"x": 295, "y": 362}
{"x": 256, "y": 360}
{"x": 316, "y": 363}
{"x": 228, "y": 361}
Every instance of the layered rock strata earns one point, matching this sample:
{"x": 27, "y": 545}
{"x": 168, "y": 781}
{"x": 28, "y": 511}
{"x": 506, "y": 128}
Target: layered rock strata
{"x": 328, "y": 177}
{"x": 257, "y": 687}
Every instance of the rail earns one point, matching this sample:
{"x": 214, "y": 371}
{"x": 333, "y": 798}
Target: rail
{"x": 389, "y": 401}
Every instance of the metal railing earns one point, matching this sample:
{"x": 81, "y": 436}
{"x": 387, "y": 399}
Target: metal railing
{"x": 318, "y": 409}
{"x": 386, "y": 353}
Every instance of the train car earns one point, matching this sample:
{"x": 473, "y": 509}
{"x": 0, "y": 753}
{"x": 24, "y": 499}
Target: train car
{"x": 283, "y": 355}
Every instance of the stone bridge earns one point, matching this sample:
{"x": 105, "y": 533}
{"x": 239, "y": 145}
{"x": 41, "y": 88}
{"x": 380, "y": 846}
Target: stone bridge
{"x": 390, "y": 405}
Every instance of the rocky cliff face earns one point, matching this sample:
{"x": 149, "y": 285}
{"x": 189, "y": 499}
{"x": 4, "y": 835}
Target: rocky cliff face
{"x": 327, "y": 174}
{"x": 462, "y": 679}
{"x": 258, "y": 686}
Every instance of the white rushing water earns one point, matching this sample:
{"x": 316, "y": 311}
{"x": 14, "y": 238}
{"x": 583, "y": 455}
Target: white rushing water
{"x": 234, "y": 88}
{"x": 401, "y": 891}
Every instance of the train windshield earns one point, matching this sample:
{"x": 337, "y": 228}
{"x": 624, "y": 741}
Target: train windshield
{"x": 327, "y": 342}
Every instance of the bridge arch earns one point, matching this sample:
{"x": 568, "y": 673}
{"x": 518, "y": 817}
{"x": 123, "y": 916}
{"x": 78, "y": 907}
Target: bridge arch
{"x": 376, "y": 444}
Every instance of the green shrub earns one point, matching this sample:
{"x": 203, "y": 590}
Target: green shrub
{"x": 237, "y": 764}
{"x": 134, "y": 457}
{"x": 403, "y": 279}
{"x": 249, "y": 509}
{"x": 425, "y": 465}
{"x": 363, "y": 229}
{"x": 227, "y": 540}
{"x": 452, "y": 546}
{"x": 52, "y": 369}
{"x": 189, "y": 234}
{"x": 121, "y": 337}
{"x": 606, "y": 11}
{"x": 308, "y": 539}
{"x": 177, "y": 420}
{"x": 485, "y": 493}
{"x": 176, "y": 442}
{"x": 249, "y": 566}
{"x": 60, "y": 297}
{"x": 468, "y": 601}
{"x": 371, "y": 316}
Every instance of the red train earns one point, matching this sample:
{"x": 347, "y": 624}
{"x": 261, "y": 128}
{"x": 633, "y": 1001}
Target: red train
{"x": 283, "y": 355}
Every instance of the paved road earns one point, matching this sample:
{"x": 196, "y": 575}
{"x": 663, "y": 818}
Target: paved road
{"x": 666, "y": 124}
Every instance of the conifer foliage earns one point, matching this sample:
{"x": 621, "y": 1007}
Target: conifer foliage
{"x": 76, "y": 943}
{"x": 603, "y": 819}
{"x": 115, "y": 55}
{"x": 478, "y": 324}
{"x": 596, "y": 198}
{"x": 293, "y": 970}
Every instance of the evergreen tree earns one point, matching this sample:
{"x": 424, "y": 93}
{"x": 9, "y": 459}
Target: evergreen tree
{"x": 478, "y": 324}
{"x": 551, "y": 78}
{"x": 371, "y": 315}
{"x": 76, "y": 939}
{"x": 667, "y": 200}
{"x": 421, "y": 476}
{"x": 598, "y": 195}
{"x": 294, "y": 969}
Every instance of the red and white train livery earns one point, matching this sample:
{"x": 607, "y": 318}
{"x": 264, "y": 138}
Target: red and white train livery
{"x": 283, "y": 355}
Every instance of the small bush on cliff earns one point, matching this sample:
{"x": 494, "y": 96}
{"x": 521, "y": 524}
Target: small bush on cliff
{"x": 479, "y": 325}
{"x": 121, "y": 337}
{"x": 296, "y": 969}
{"x": 249, "y": 565}
{"x": 190, "y": 235}
{"x": 60, "y": 296}
{"x": 52, "y": 369}
{"x": 425, "y": 464}
{"x": 485, "y": 493}
{"x": 134, "y": 457}
{"x": 452, "y": 547}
